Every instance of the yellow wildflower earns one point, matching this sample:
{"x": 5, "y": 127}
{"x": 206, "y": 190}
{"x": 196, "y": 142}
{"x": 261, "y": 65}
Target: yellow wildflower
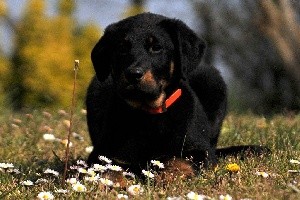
{"x": 233, "y": 167}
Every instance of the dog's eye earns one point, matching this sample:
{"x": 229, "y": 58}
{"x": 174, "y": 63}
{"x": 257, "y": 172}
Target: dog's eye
{"x": 156, "y": 48}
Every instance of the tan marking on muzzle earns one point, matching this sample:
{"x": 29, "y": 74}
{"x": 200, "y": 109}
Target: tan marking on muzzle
{"x": 148, "y": 79}
{"x": 157, "y": 102}
{"x": 172, "y": 67}
{"x": 134, "y": 104}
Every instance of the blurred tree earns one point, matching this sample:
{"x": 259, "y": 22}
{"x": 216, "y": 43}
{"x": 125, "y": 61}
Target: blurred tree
{"x": 4, "y": 62}
{"x": 135, "y": 7}
{"x": 4, "y": 74}
{"x": 281, "y": 24}
{"x": 44, "y": 52}
{"x": 3, "y": 8}
{"x": 85, "y": 39}
{"x": 261, "y": 55}
{"x": 30, "y": 40}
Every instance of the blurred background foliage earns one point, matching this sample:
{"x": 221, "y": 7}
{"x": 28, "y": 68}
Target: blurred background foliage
{"x": 255, "y": 43}
{"x": 39, "y": 70}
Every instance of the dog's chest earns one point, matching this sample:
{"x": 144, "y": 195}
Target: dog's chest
{"x": 144, "y": 135}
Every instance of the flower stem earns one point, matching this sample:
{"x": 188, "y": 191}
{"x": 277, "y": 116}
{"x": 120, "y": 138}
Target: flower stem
{"x": 76, "y": 68}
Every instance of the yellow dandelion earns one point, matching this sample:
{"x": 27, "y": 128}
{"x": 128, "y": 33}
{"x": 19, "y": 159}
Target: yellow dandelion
{"x": 233, "y": 167}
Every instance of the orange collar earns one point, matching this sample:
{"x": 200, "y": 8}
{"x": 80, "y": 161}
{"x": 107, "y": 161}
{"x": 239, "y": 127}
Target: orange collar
{"x": 167, "y": 103}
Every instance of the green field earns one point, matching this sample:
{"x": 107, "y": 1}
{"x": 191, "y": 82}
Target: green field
{"x": 23, "y": 143}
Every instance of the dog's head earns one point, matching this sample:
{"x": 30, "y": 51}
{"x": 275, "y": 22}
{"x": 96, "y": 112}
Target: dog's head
{"x": 147, "y": 55}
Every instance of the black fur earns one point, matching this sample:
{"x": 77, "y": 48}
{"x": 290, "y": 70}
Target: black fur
{"x": 139, "y": 61}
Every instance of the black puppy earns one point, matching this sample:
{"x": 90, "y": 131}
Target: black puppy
{"x": 151, "y": 98}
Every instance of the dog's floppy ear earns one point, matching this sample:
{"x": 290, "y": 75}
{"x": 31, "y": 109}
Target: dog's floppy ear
{"x": 189, "y": 48}
{"x": 101, "y": 56}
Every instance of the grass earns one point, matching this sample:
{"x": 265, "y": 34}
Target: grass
{"x": 22, "y": 144}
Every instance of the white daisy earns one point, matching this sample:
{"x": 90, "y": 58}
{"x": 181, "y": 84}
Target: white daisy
{"x": 99, "y": 168}
{"x": 91, "y": 172}
{"x": 114, "y": 168}
{"x": 78, "y": 187}
{"x": 50, "y": 171}
{"x": 92, "y": 178}
{"x": 82, "y": 170}
{"x": 61, "y": 191}
{"x": 45, "y": 195}
{"x": 292, "y": 161}
{"x": 122, "y": 196}
{"x": 158, "y": 164}
{"x": 106, "y": 182}
{"x": 89, "y": 149}
{"x": 105, "y": 159}
{"x": 83, "y": 111}
{"x": 27, "y": 183}
{"x": 263, "y": 174}
{"x": 77, "y": 136}
{"x": 41, "y": 180}
{"x": 6, "y": 165}
{"x": 49, "y": 137}
{"x": 81, "y": 162}
{"x": 196, "y": 196}
{"x": 129, "y": 174}
{"x": 72, "y": 180}
{"x": 226, "y": 197}
{"x": 135, "y": 190}
{"x": 148, "y": 173}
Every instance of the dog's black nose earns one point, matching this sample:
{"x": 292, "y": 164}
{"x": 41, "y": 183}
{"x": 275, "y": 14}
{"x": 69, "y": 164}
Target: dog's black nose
{"x": 134, "y": 75}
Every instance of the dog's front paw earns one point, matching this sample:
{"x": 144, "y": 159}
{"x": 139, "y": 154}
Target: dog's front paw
{"x": 175, "y": 169}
